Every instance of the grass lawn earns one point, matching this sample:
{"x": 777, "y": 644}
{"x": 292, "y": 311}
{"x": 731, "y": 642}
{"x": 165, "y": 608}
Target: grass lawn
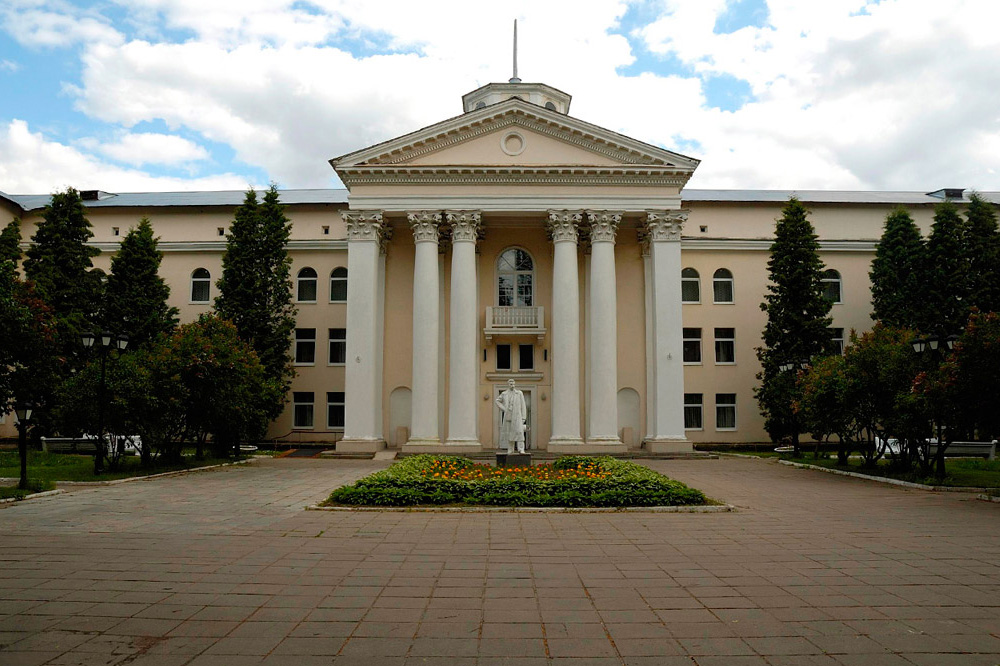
{"x": 967, "y": 472}
{"x": 49, "y": 467}
{"x": 571, "y": 481}
{"x": 7, "y": 492}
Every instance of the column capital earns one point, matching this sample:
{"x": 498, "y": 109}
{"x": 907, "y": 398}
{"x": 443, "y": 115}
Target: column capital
{"x": 365, "y": 225}
{"x": 564, "y": 225}
{"x": 665, "y": 225}
{"x": 424, "y": 224}
{"x": 603, "y": 225}
{"x": 465, "y": 224}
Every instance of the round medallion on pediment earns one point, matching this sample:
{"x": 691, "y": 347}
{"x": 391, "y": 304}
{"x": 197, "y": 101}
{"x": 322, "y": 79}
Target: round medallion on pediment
{"x": 512, "y": 143}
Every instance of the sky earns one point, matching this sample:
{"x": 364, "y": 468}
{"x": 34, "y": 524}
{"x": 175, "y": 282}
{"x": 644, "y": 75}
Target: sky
{"x": 165, "y": 95}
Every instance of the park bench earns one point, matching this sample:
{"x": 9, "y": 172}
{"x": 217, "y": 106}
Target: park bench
{"x": 986, "y": 450}
{"x": 82, "y": 444}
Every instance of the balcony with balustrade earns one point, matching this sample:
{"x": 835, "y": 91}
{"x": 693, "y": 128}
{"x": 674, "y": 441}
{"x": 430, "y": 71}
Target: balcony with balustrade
{"x": 514, "y": 320}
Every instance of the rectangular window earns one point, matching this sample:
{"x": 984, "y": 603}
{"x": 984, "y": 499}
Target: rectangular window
{"x": 338, "y": 346}
{"x": 115, "y": 231}
{"x": 692, "y": 345}
{"x": 692, "y": 411}
{"x": 302, "y": 404}
{"x": 335, "y": 410}
{"x": 503, "y": 357}
{"x": 690, "y": 291}
{"x": 837, "y": 335}
{"x": 305, "y": 346}
{"x": 526, "y": 357}
{"x": 725, "y": 346}
{"x": 725, "y": 411}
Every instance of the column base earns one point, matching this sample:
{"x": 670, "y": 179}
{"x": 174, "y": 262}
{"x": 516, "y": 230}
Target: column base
{"x": 602, "y": 445}
{"x": 564, "y": 445}
{"x": 360, "y": 445}
{"x": 437, "y": 446}
{"x": 668, "y": 445}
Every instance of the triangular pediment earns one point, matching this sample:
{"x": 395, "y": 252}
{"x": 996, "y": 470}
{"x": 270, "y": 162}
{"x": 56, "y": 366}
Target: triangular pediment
{"x": 514, "y": 133}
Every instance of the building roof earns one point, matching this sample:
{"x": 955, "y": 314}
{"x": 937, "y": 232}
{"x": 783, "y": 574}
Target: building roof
{"x": 233, "y": 198}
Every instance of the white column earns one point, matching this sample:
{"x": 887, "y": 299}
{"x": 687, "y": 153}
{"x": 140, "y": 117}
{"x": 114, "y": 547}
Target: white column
{"x": 366, "y": 235}
{"x": 602, "y": 411}
{"x": 463, "y": 369}
{"x": 664, "y": 231}
{"x": 564, "y": 230}
{"x": 647, "y": 273}
{"x": 424, "y": 429}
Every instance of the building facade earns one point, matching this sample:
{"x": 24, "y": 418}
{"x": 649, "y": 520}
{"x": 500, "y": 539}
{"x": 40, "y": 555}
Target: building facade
{"x": 516, "y": 242}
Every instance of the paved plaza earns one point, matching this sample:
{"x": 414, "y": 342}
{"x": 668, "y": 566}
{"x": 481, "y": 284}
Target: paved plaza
{"x": 225, "y": 567}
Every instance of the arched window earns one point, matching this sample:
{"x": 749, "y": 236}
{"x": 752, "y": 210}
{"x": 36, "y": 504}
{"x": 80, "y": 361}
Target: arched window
{"x": 690, "y": 286}
{"x": 722, "y": 286}
{"x": 306, "y": 286}
{"x": 201, "y": 282}
{"x": 515, "y": 278}
{"x": 832, "y": 286}
{"x": 338, "y": 285}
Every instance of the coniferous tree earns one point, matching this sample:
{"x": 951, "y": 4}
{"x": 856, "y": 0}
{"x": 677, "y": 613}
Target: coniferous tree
{"x": 896, "y": 272}
{"x": 983, "y": 247}
{"x": 10, "y": 241}
{"x": 135, "y": 301}
{"x": 945, "y": 285}
{"x": 797, "y": 326}
{"x": 255, "y": 291}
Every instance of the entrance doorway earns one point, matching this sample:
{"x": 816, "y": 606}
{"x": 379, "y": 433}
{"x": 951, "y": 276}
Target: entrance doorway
{"x": 529, "y": 431}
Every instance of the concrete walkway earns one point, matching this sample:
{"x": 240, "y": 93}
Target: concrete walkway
{"x": 224, "y": 567}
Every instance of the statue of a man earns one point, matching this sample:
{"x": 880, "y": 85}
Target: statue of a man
{"x": 512, "y": 418}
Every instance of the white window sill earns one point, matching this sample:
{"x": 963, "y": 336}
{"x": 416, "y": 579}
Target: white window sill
{"x": 308, "y": 427}
{"x": 335, "y": 428}
{"x": 729, "y": 363}
{"x": 336, "y": 365}
{"x": 305, "y": 302}
{"x": 199, "y": 302}
{"x": 690, "y": 302}
{"x": 726, "y": 429}
{"x": 723, "y": 302}
{"x": 336, "y": 302}
{"x": 694, "y": 430}
{"x": 303, "y": 365}
{"x": 692, "y": 363}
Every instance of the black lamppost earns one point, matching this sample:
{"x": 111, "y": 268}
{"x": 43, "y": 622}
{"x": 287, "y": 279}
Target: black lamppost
{"x": 108, "y": 341}
{"x": 789, "y": 366}
{"x": 933, "y": 345}
{"x": 23, "y": 413}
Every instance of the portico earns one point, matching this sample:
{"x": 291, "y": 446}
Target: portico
{"x": 499, "y": 218}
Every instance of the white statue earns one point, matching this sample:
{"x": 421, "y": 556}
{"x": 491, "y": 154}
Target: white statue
{"x": 513, "y": 413}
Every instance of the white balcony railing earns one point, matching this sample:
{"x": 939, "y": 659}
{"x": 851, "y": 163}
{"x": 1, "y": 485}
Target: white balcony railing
{"x": 514, "y": 320}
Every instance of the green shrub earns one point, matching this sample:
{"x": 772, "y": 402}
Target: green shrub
{"x": 603, "y": 482}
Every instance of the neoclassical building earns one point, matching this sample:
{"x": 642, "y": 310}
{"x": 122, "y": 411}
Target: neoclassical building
{"x": 515, "y": 241}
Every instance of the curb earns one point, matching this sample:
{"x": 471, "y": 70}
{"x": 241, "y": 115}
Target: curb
{"x": 716, "y": 508}
{"x": 176, "y": 472}
{"x": 46, "y": 493}
{"x": 882, "y": 479}
{"x": 988, "y": 498}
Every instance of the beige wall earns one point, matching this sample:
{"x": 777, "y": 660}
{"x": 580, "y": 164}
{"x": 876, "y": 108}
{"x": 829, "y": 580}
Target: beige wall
{"x": 190, "y": 239}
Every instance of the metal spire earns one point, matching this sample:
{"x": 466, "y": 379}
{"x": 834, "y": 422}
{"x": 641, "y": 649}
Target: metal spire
{"x": 514, "y": 78}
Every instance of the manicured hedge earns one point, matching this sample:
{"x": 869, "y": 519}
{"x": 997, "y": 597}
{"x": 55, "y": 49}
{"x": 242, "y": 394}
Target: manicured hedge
{"x": 571, "y": 481}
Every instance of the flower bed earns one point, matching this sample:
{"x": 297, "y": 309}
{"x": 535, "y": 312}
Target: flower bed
{"x": 571, "y": 481}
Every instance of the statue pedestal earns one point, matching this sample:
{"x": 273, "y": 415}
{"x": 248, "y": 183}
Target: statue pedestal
{"x": 513, "y": 460}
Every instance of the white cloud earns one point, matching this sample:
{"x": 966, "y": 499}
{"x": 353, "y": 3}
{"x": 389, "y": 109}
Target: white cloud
{"x": 846, "y": 93}
{"x": 8, "y": 65}
{"x": 137, "y": 149}
{"x": 54, "y": 24}
{"x": 32, "y": 164}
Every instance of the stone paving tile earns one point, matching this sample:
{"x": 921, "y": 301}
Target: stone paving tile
{"x": 225, "y": 568}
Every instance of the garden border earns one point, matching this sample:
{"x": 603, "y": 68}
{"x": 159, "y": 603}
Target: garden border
{"x": 701, "y": 508}
{"x": 44, "y": 493}
{"x": 883, "y": 479}
{"x": 988, "y": 498}
{"x": 130, "y": 479}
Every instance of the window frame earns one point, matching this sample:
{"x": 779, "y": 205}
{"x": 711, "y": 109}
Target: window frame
{"x": 827, "y": 281}
{"x": 510, "y": 357}
{"x": 340, "y": 342}
{"x": 723, "y": 340}
{"x": 685, "y": 339}
{"x": 302, "y": 342}
{"x": 696, "y": 280}
{"x": 838, "y": 339}
{"x": 701, "y": 411}
{"x": 725, "y": 405}
{"x": 330, "y": 405}
{"x": 517, "y": 274}
{"x": 311, "y": 405}
{"x": 199, "y": 280}
{"x": 338, "y": 278}
{"x": 301, "y": 281}
{"x": 520, "y": 357}
{"x": 717, "y": 280}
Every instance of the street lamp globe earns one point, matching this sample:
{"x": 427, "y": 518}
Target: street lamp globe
{"x": 121, "y": 342}
{"x": 106, "y": 338}
{"x": 23, "y": 412}
{"x": 87, "y": 338}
